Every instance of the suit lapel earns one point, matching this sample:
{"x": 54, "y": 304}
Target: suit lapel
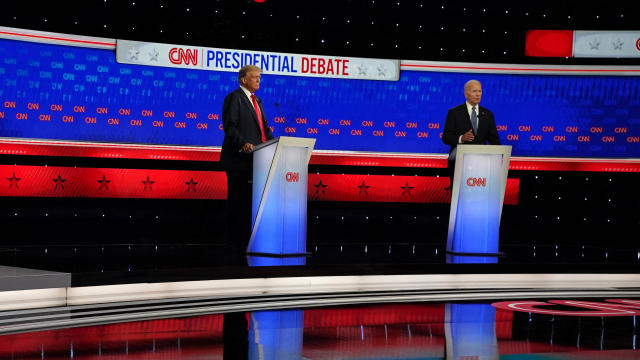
{"x": 248, "y": 103}
{"x": 465, "y": 115}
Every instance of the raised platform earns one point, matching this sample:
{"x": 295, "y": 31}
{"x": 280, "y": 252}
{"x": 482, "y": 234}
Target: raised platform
{"x": 15, "y": 278}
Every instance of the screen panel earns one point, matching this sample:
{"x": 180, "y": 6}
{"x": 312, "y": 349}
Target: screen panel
{"x": 83, "y": 94}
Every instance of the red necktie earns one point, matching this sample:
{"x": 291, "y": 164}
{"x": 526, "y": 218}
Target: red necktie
{"x": 259, "y": 114}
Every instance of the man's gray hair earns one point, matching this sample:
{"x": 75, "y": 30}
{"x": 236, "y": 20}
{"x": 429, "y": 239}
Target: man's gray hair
{"x": 468, "y": 83}
{"x": 246, "y": 69}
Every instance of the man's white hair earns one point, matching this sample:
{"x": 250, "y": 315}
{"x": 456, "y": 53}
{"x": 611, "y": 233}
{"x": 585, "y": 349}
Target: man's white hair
{"x": 468, "y": 83}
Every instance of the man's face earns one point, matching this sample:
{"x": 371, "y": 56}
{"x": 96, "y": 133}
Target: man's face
{"x": 473, "y": 93}
{"x": 251, "y": 81}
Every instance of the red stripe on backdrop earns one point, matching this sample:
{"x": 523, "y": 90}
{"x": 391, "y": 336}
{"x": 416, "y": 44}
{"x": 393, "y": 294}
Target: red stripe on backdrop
{"x": 386, "y": 188}
{"x": 107, "y": 150}
{"x": 549, "y": 43}
{"x": 48, "y": 181}
{"x": 191, "y": 153}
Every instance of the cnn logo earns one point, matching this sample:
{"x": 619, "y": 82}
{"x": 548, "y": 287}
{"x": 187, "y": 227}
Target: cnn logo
{"x": 477, "y": 181}
{"x": 183, "y": 56}
{"x": 292, "y": 177}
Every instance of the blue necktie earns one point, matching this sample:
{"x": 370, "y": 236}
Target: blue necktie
{"x": 474, "y": 120}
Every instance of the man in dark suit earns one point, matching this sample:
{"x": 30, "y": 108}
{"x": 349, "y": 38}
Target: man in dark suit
{"x": 469, "y": 123}
{"x": 245, "y": 125}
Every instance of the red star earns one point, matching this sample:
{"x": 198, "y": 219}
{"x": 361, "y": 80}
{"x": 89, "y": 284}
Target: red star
{"x": 104, "y": 183}
{"x": 59, "y": 182}
{"x": 364, "y": 188}
{"x": 147, "y": 184}
{"x": 191, "y": 185}
{"x": 320, "y": 187}
{"x": 406, "y": 189}
{"x": 13, "y": 181}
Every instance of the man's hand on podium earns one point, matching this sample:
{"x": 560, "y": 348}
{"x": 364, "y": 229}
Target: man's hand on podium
{"x": 247, "y": 148}
{"x": 468, "y": 136}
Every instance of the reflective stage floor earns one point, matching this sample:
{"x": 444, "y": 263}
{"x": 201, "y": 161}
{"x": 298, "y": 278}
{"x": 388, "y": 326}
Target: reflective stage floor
{"x": 563, "y": 328}
{"x": 357, "y": 301}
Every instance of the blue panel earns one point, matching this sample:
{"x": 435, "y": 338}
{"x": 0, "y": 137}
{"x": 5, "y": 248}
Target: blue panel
{"x": 477, "y": 218}
{"x": 540, "y": 115}
{"x": 472, "y": 331}
{"x": 458, "y": 259}
{"x": 276, "y": 261}
{"x": 276, "y": 334}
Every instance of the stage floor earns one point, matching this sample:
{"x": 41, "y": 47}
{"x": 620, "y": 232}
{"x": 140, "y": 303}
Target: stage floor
{"x": 564, "y": 328}
{"x": 355, "y": 301}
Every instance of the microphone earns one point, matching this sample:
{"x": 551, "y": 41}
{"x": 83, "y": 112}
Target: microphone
{"x": 283, "y": 118}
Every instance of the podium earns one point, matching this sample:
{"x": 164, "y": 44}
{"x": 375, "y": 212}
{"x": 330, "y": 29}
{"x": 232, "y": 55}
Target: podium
{"x": 477, "y": 195}
{"x": 279, "y": 198}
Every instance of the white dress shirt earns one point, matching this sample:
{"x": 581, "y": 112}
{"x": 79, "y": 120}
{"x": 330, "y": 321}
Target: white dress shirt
{"x": 248, "y": 93}
{"x": 469, "y": 109}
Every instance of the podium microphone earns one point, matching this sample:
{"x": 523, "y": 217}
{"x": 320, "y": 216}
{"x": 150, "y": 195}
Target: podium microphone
{"x": 283, "y": 118}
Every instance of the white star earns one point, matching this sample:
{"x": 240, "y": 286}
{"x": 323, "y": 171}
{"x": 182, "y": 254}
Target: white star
{"x": 382, "y": 70}
{"x": 153, "y": 55}
{"x": 595, "y": 44}
{"x": 617, "y": 45}
{"x": 362, "y": 69}
{"x": 133, "y": 54}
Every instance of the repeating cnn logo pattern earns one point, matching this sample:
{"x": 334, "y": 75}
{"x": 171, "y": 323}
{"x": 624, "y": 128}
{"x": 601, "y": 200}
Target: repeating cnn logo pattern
{"x": 292, "y": 177}
{"x": 473, "y": 182}
{"x": 183, "y": 56}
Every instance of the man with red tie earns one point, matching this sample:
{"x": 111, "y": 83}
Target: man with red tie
{"x": 245, "y": 125}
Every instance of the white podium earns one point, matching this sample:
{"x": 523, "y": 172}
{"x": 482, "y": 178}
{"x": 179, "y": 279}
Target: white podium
{"x": 279, "y": 204}
{"x": 477, "y": 196}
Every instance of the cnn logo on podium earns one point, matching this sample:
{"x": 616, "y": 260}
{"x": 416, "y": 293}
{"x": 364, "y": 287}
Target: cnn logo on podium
{"x": 292, "y": 177}
{"x": 473, "y": 182}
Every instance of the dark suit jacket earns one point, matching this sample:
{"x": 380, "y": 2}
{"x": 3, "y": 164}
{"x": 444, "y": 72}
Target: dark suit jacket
{"x": 458, "y": 122}
{"x": 240, "y": 124}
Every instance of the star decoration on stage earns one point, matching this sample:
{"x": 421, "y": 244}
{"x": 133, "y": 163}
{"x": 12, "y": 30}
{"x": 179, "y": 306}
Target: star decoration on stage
{"x": 406, "y": 189}
{"x": 191, "y": 185}
{"x": 617, "y": 45}
{"x": 364, "y": 188}
{"x": 133, "y": 54}
{"x": 320, "y": 188}
{"x": 59, "y": 182}
{"x": 153, "y": 55}
{"x": 104, "y": 183}
{"x": 382, "y": 70}
{"x": 147, "y": 184}
{"x": 362, "y": 69}
{"x": 595, "y": 44}
{"x": 14, "y": 181}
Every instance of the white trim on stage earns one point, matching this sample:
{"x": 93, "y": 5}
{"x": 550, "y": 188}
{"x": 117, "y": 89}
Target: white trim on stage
{"x": 301, "y": 286}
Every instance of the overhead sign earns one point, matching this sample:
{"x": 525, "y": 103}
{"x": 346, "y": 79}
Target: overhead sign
{"x": 609, "y": 44}
{"x": 586, "y": 44}
{"x": 215, "y": 59}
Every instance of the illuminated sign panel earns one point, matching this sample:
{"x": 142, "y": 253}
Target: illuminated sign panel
{"x": 83, "y": 94}
{"x": 214, "y": 59}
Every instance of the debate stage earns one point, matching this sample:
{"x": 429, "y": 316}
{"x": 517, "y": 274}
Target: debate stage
{"x": 114, "y": 208}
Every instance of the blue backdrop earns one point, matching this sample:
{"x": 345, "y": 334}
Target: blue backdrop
{"x": 68, "y": 93}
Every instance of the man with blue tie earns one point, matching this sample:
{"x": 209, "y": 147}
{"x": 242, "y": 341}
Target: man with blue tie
{"x": 469, "y": 123}
{"x": 245, "y": 125}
